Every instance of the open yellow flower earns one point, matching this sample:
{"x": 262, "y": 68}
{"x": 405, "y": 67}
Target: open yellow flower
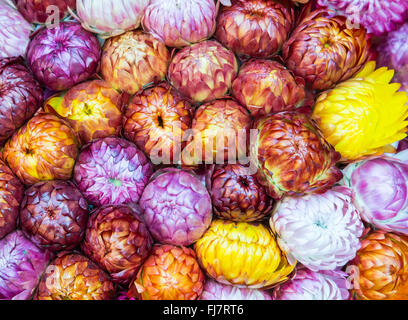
{"x": 363, "y": 116}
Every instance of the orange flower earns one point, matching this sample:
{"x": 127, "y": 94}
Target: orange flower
{"x": 93, "y": 109}
{"x": 380, "y": 269}
{"x": 324, "y": 52}
{"x": 204, "y": 71}
{"x": 170, "y": 273}
{"x": 156, "y": 120}
{"x": 133, "y": 60}
{"x": 44, "y": 149}
{"x": 220, "y": 132}
{"x": 255, "y": 28}
{"x": 292, "y": 156}
{"x": 75, "y": 277}
{"x": 266, "y": 86}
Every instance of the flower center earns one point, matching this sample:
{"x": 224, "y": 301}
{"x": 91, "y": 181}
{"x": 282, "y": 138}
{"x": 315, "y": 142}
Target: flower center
{"x": 87, "y": 109}
{"x": 51, "y": 214}
{"x": 160, "y": 120}
{"x": 328, "y": 41}
{"x": 115, "y": 182}
{"x": 256, "y": 14}
{"x": 244, "y": 181}
{"x": 59, "y": 45}
{"x": 320, "y": 224}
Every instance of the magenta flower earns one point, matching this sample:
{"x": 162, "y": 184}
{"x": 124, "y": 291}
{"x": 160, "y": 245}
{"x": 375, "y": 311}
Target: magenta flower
{"x": 377, "y": 16}
{"x": 112, "y": 171}
{"x": 21, "y": 266}
{"x": 380, "y": 191}
{"x": 177, "y": 207}
{"x": 63, "y": 56}
{"x": 394, "y": 54}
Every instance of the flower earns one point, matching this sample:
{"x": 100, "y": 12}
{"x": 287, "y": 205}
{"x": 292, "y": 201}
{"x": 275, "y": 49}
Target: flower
{"x": 157, "y": 120}
{"x": 255, "y": 28}
{"x": 134, "y": 60}
{"x": 14, "y": 32}
{"x": 311, "y": 285}
{"x": 216, "y": 291}
{"x": 266, "y": 86}
{"x": 11, "y": 195}
{"x": 324, "y": 51}
{"x": 220, "y": 132}
{"x": 380, "y": 191}
{"x": 176, "y": 207}
{"x": 20, "y": 96}
{"x": 118, "y": 240}
{"x": 204, "y": 71}
{"x": 362, "y": 116}
{"x": 378, "y": 16}
{"x": 63, "y": 56}
{"x": 44, "y": 149}
{"x": 110, "y": 18}
{"x": 236, "y": 195}
{"x": 22, "y": 265}
{"x": 243, "y": 255}
{"x": 43, "y": 11}
{"x": 112, "y": 171}
{"x": 320, "y": 231}
{"x": 292, "y": 156}
{"x": 72, "y": 276}
{"x": 54, "y": 215}
{"x": 380, "y": 269}
{"x": 181, "y": 22}
{"x": 93, "y": 109}
{"x": 170, "y": 273}
{"x": 394, "y": 55}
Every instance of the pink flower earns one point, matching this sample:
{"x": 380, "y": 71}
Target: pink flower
{"x": 377, "y": 16}
{"x": 321, "y": 231}
{"x": 310, "y": 285}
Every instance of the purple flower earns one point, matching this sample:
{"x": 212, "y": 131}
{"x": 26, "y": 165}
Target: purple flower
{"x": 377, "y": 16}
{"x": 394, "y": 54}
{"x": 380, "y": 191}
{"x": 214, "y": 290}
{"x": 112, "y": 171}
{"x": 14, "y": 32}
{"x": 177, "y": 207}
{"x": 21, "y": 266}
{"x": 63, "y": 56}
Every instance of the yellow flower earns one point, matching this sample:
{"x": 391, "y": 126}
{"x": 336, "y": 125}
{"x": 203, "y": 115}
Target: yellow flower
{"x": 243, "y": 255}
{"x": 363, "y": 116}
{"x": 92, "y": 108}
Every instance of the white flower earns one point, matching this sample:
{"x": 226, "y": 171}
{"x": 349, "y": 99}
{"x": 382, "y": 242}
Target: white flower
{"x": 109, "y": 18}
{"x": 321, "y": 231}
